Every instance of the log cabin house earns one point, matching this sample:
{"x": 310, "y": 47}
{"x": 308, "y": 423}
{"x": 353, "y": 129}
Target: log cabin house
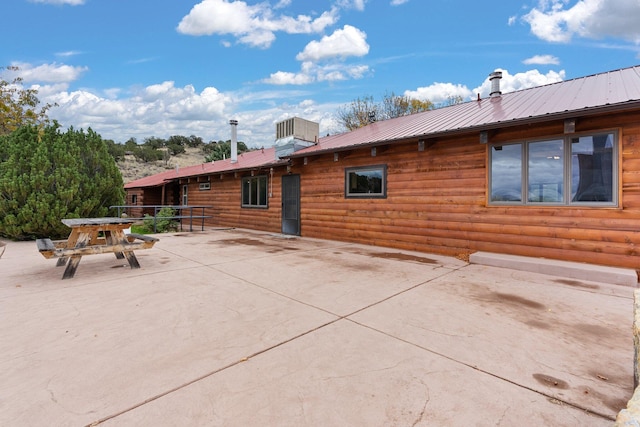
{"x": 551, "y": 171}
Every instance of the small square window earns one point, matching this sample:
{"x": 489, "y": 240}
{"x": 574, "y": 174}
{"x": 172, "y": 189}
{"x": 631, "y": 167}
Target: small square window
{"x": 366, "y": 182}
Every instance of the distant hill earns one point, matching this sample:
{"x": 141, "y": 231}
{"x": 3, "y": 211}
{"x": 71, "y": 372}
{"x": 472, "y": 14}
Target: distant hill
{"x": 131, "y": 168}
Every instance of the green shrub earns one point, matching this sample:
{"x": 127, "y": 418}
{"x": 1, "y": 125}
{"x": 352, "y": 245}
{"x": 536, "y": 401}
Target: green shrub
{"x": 46, "y": 176}
{"x": 148, "y": 154}
{"x": 117, "y": 151}
{"x": 163, "y": 221}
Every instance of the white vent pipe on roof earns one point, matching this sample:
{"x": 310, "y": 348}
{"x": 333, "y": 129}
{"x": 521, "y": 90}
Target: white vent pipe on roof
{"x": 494, "y": 78}
{"x": 234, "y": 140}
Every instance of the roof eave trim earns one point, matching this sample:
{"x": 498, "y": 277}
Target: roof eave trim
{"x": 277, "y": 163}
{"x": 586, "y": 112}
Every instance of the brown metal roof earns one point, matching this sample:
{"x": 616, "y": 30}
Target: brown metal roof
{"x": 614, "y": 90}
{"x": 246, "y": 161}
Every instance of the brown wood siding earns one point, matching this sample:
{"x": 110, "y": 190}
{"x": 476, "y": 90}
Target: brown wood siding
{"x": 437, "y": 201}
{"x": 152, "y": 196}
{"x": 146, "y": 196}
{"x": 139, "y": 193}
{"x": 224, "y": 197}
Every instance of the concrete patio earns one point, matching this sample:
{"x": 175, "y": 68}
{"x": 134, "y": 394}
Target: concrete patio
{"x": 242, "y": 328}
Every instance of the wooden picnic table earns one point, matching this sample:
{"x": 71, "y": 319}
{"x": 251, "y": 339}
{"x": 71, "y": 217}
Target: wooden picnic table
{"x": 95, "y": 236}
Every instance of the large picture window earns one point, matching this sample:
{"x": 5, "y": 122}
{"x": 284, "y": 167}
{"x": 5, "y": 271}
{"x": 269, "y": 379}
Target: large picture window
{"x": 254, "y": 192}
{"x": 574, "y": 170}
{"x": 366, "y": 182}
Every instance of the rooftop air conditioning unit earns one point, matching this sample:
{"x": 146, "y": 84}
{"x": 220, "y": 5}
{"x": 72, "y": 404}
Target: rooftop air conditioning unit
{"x": 295, "y": 134}
{"x": 298, "y": 128}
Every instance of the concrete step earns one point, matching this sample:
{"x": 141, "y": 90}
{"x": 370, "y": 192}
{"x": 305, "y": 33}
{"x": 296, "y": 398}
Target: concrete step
{"x": 573, "y": 270}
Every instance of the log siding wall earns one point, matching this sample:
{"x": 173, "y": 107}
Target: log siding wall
{"x": 224, "y": 197}
{"x": 437, "y": 201}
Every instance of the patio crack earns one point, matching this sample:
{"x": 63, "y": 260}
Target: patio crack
{"x": 424, "y": 409}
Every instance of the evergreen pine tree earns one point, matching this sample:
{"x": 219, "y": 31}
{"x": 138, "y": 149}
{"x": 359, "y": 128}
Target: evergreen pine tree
{"x": 46, "y": 175}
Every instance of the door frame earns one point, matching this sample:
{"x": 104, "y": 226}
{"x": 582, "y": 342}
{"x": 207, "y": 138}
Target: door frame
{"x": 286, "y": 223}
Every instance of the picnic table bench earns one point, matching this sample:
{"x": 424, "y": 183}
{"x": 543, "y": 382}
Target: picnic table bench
{"x": 91, "y": 236}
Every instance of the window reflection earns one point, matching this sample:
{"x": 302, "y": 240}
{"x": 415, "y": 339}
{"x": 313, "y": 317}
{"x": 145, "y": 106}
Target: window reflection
{"x": 546, "y": 172}
{"x": 592, "y": 168}
{"x": 506, "y": 173}
{"x": 365, "y": 182}
{"x": 570, "y": 170}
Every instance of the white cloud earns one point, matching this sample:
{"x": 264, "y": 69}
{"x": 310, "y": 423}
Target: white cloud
{"x": 441, "y": 92}
{"x": 349, "y": 41}
{"x": 157, "y": 110}
{"x": 257, "y": 38}
{"x": 351, "y": 4}
{"x": 542, "y": 60}
{"x": 219, "y": 17}
{"x": 519, "y": 81}
{"x": 141, "y": 60}
{"x": 163, "y": 110}
{"x": 594, "y": 19}
{"x": 311, "y": 72}
{"x": 342, "y": 72}
{"x": 69, "y": 2}
{"x": 48, "y": 73}
{"x": 286, "y": 78}
{"x": 254, "y": 25}
{"x": 48, "y": 91}
{"x": 398, "y": 2}
{"x": 282, "y": 3}
{"x": 68, "y": 53}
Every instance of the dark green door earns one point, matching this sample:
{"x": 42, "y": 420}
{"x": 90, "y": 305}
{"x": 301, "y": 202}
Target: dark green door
{"x": 291, "y": 204}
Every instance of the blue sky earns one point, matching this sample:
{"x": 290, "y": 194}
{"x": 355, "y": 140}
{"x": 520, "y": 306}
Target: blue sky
{"x": 133, "y": 68}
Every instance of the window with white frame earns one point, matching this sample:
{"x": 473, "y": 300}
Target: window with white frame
{"x": 254, "y": 192}
{"x": 185, "y": 198}
{"x": 572, "y": 170}
{"x": 366, "y": 182}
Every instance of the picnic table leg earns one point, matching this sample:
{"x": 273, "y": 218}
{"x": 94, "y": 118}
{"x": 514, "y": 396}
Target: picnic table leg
{"x": 71, "y": 266}
{"x": 120, "y": 237}
{"x": 81, "y": 240}
{"x": 71, "y": 242}
{"x": 131, "y": 257}
{"x": 110, "y": 241}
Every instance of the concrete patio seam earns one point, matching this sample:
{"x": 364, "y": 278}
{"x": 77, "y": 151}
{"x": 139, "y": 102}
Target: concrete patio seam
{"x": 212, "y": 373}
{"x": 475, "y": 368}
{"x": 267, "y": 349}
{"x": 373, "y": 304}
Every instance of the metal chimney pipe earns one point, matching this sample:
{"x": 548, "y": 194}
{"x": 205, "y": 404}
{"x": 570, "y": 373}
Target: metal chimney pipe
{"x": 494, "y": 78}
{"x": 234, "y": 140}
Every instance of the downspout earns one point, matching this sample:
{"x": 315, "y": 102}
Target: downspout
{"x": 271, "y": 183}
